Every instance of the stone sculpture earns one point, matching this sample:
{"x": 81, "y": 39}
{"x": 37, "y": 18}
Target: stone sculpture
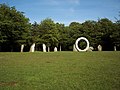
{"x": 60, "y": 47}
{"x": 22, "y": 47}
{"x": 115, "y": 48}
{"x": 55, "y": 49}
{"x": 77, "y": 41}
{"x": 74, "y": 48}
{"x": 44, "y": 48}
{"x": 32, "y": 48}
{"x": 90, "y": 49}
{"x": 48, "y": 49}
{"x": 99, "y": 48}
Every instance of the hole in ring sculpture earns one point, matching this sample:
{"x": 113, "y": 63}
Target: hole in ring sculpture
{"x": 76, "y": 44}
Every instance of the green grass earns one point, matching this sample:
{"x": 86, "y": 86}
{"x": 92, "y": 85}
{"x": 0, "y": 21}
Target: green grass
{"x": 60, "y": 71}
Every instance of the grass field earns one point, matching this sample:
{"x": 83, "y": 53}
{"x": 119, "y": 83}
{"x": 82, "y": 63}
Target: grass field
{"x": 60, "y": 71}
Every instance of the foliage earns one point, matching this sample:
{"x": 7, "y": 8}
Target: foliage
{"x": 14, "y": 28}
{"x": 49, "y": 32}
{"x": 107, "y": 29}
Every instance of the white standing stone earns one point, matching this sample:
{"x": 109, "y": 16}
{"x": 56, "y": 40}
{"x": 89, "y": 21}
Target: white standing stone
{"x": 90, "y": 49}
{"x": 55, "y": 49}
{"x": 32, "y": 48}
{"x": 22, "y": 47}
{"x": 60, "y": 47}
{"x": 44, "y": 48}
{"x": 74, "y": 48}
{"x": 115, "y": 48}
{"x": 99, "y": 48}
{"x": 48, "y": 49}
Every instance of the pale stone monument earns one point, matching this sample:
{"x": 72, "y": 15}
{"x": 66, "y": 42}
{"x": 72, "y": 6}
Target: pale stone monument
{"x": 48, "y": 49}
{"x": 90, "y": 49}
{"x": 99, "y": 48}
{"x": 55, "y": 49}
{"x": 60, "y": 47}
{"x": 32, "y": 48}
{"x": 74, "y": 48}
{"x": 44, "y": 48}
{"x": 22, "y": 47}
{"x": 77, "y": 41}
{"x": 115, "y": 48}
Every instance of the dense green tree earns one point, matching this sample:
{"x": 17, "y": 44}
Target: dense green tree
{"x": 49, "y": 33}
{"x": 75, "y": 31}
{"x": 106, "y": 29}
{"x": 14, "y": 28}
{"x": 116, "y": 34}
{"x": 63, "y": 34}
{"x": 35, "y": 36}
{"x": 35, "y": 33}
{"x": 90, "y": 32}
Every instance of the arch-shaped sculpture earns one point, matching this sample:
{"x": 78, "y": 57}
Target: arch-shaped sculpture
{"x": 76, "y": 44}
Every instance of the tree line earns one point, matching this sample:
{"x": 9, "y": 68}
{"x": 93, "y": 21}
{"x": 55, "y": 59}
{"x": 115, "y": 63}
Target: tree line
{"x": 16, "y": 30}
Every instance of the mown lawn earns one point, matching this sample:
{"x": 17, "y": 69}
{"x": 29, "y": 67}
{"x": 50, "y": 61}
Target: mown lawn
{"x": 60, "y": 71}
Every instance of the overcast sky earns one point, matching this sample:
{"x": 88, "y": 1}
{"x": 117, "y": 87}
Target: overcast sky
{"x": 66, "y": 11}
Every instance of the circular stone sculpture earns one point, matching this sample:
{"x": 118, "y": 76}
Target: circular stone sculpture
{"x": 76, "y": 44}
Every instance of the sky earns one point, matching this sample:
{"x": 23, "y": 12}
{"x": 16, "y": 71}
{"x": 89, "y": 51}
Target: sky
{"x": 66, "y": 11}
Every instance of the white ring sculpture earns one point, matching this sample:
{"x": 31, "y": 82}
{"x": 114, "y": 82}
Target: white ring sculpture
{"x": 76, "y": 44}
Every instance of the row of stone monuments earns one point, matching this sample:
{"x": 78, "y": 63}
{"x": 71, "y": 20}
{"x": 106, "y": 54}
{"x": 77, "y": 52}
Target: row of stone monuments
{"x": 32, "y": 48}
{"x": 75, "y": 47}
{"x": 44, "y": 48}
{"x": 89, "y": 49}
